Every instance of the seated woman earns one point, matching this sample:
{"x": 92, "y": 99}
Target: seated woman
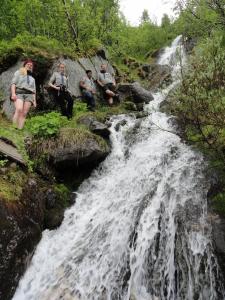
{"x": 108, "y": 84}
{"x": 88, "y": 88}
{"x": 59, "y": 84}
{"x": 23, "y": 93}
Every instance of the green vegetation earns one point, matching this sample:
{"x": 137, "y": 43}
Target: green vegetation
{"x": 199, "y": 102}
{"x": 74, "y": 28}
{"x": 45, "y": 125}
{"x": 63, "y": 193}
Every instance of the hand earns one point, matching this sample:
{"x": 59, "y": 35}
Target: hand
{"x": 13, "y": 97}
{"x": 35, "y": 103}
{"x": 57, "y": 88}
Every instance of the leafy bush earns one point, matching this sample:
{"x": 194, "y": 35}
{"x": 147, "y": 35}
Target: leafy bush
{"x": 80, "y": 107}
{"x": 45, "y": 125}
{"x": 3, "y": 162}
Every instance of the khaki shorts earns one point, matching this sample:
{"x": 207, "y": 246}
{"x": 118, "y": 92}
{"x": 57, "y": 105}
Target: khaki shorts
{"x": 26, "y": 97}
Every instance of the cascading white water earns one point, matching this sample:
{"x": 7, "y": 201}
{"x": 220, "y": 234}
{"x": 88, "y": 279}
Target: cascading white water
{"x": 138, "y": 230}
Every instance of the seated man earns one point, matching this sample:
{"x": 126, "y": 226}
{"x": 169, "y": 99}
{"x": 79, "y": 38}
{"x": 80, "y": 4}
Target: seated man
{"x": 108, "y": 84}
{"x": 88, "y": 88}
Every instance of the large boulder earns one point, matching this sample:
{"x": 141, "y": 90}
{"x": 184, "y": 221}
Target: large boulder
{"x": 71, "y": 149}
{"x": 156, "y": 75}
{"x": 95, "y": 126}
{"x": 135, "y": 92}
{"x": 21, "y": 223}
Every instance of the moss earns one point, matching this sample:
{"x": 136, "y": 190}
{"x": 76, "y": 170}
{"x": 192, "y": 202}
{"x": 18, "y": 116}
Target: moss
{"x": 63, "y": 193}
{"x": 218, "y": 203}
{"x": 12, "y": 183}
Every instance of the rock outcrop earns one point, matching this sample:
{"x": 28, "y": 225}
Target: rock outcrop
{"x": 156, "y": 75}
{"x": 21, "y": 225}
{"x": 135, "y": 92}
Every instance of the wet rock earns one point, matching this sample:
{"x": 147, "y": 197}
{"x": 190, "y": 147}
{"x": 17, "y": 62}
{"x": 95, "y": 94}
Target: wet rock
{"x": 157, "y": 75}
{"x": 21, "y": 225}
{"x": 51, "y": 198}
{"x": 99, "y": 129}
{"x": 53, "y": 218}
{"x": 95, "y": 126}
{"x": 142, "y": 114}
{"x": 218, "y": 236}
{"x": 189, "y": 44}
{"x": 77, "y": 154}
{"x": 119, "y": 124}
{"x": 135, "y": 92}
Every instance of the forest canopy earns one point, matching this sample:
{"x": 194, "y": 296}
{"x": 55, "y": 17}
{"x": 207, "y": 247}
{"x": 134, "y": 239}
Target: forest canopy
{"x": 82, "y": 25}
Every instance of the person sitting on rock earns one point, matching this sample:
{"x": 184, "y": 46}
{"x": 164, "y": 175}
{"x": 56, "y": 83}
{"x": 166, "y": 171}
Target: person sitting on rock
{"x": 88, "y": 88}
{"x": 108, "y": 84}
{"x": 59, "y": 84}
{"x": 23, "y": 93}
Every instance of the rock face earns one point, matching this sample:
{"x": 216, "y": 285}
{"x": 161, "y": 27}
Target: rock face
{"x": 156, "y": 75}
{"x": 135, "y": 92}
{"x": 21, "y": 224}
{"x": 75, "y": 155}
{"x": 75, "y": 70}
{"x": 218, "y": 236}
{"x": 95, "y": 126}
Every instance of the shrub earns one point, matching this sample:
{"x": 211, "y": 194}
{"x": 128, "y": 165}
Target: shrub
{"x": 45, "y": 125}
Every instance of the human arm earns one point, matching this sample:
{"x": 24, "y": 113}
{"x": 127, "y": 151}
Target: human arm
{"x": 13, "y": 85}
{"x": 34, "y": 96}
{"x": 13, "y": 92}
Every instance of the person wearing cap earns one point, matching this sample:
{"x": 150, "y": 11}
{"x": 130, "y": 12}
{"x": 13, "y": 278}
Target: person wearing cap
{"x": 107, "y": 83}
{"x": 59, "y": 84}
{"x": 23, "y": 93}
{"x": 88, "y": 89}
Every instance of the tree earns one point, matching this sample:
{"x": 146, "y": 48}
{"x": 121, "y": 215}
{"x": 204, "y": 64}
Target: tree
{"x": 145, "y": 16}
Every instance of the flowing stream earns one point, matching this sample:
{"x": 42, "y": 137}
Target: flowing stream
{"x": 139, "y": 228}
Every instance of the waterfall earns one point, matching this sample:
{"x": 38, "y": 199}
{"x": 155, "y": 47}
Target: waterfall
{"x": 139, "y": 228}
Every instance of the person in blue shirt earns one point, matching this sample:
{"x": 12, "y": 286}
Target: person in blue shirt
{"x": 88, "y": 87}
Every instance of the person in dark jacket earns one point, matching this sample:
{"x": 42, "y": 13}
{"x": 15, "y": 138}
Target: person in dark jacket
{"x": 88, "y": 88}
{"x": 23, "y": 93}
{"x": 59, "y": 84}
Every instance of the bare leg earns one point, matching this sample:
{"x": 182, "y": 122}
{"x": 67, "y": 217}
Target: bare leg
{"x": 26, "y": 108}
{"x": 19, "y": 109}
{"x": 111, "y": 94}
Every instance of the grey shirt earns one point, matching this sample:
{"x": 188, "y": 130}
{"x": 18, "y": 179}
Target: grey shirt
{"x": 25, "y": 82}
{"x": 105, "y": 78}
{"x": 59, "y": 79}
{"x": 89, "y": 83}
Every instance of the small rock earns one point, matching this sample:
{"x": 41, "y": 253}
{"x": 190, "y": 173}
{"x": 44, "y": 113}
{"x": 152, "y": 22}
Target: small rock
{"x": 99, "y": 129}
{"x": 32, "y": 182}
{"x": 50, "y": 199}
{"x": 119, "y": 124}
{"x": 13, "y": 166}
{"x": 3, "y": 171}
